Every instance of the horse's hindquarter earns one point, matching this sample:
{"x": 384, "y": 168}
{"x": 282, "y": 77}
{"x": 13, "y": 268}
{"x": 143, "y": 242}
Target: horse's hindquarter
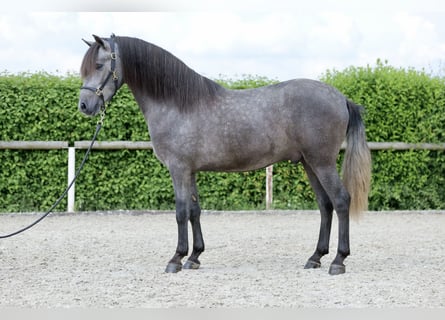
{"x": 320, "y": 117}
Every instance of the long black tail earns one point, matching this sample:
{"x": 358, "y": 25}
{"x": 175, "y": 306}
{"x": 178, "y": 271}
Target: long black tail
{"x": 357, "y": 163}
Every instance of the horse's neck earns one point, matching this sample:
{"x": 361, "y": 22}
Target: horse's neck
{"x": 154, "y": 111}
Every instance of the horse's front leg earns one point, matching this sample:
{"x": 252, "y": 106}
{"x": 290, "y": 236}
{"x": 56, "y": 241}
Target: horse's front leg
{"x": 182, "y": 185}
{"x": 175, "y": 263}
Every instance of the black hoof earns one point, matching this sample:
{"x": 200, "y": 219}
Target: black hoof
{"x": 312, "y": 265}
{"x": 336, "y": 269}
{"x": 173, "y": 268}
{"x": 191, "y": 265}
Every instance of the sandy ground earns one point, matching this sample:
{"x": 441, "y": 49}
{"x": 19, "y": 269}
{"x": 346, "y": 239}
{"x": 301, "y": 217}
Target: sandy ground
{"x": 252, "y": 259}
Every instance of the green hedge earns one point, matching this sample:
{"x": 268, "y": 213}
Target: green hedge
{"x": 401, "y": 105}
{"x": 407, "y": 106}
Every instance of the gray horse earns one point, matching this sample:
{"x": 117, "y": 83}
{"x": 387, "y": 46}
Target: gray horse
{"x": 197, "y": 125}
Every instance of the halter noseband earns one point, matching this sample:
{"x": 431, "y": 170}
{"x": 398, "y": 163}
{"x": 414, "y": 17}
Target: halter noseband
{"x": 111, "y": 75}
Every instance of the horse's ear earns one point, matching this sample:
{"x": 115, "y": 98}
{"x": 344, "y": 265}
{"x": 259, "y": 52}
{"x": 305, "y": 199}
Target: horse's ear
{"x": 89, "y": 43}
{"x": 99, "y": 41}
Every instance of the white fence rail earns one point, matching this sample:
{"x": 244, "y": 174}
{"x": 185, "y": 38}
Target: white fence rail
{"x": 147, "y": 145}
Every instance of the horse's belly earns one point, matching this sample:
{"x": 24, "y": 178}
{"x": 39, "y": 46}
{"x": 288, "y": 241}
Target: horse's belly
{"x": 246, "y": 159}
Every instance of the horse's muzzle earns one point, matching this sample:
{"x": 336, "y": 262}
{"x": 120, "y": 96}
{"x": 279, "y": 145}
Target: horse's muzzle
{"x": 90, "y": 109}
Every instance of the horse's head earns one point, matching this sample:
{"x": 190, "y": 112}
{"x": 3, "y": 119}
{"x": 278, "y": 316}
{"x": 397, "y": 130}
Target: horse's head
{"x": 101, "y": 74}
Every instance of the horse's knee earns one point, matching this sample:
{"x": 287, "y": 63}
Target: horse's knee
{"x": 182, "y": 214}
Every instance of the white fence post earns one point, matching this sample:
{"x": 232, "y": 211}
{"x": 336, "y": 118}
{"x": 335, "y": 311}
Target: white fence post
{"x": 71, "y": 174}
{"x": 269, "y": 187}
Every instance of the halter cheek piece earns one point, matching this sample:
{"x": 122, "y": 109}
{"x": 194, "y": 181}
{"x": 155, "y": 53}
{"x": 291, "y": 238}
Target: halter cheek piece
{"x": 111, "y": 75}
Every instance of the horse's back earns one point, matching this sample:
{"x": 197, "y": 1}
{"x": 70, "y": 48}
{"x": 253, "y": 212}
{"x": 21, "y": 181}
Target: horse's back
{"x": 306, "y": 110}
{"x": 299, "y": 97}
{"x": 309, "y": 97}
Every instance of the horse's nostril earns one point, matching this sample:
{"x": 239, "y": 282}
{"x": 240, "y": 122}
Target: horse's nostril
{"x": 83, "y": 106}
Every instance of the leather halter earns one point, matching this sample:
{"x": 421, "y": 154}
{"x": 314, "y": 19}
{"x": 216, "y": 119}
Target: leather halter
{"x": 111, "y": 75}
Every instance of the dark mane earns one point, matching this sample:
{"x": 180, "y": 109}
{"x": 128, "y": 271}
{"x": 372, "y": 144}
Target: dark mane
{"x": 156, "y": 71}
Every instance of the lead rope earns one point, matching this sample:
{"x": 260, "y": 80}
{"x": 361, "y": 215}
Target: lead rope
{"x": 98, "y": 127}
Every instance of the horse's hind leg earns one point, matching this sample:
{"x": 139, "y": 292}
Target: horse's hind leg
{"x": 326, "y": 208}
{"x": 330, "y": 181}
{"x": 341, "y": 200}
{"x": 198, "y": 241}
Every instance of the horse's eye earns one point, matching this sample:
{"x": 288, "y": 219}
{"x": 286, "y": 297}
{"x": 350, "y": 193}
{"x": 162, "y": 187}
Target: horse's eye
{"x": 99, "y": 66}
